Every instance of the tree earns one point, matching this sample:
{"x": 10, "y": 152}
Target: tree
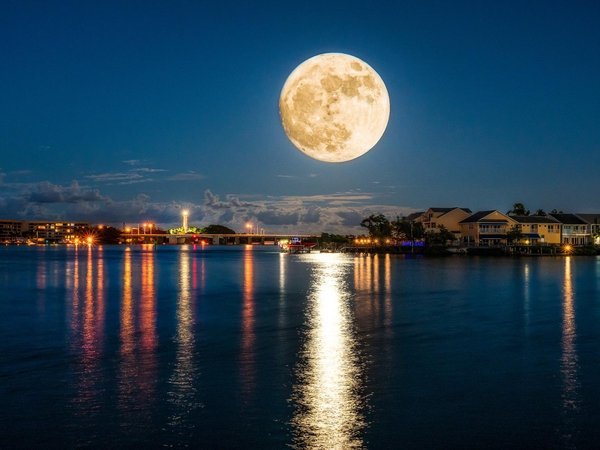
{"x": 556, "y": 211}
{"x": 107, "y": 235}
{"x": 518, "y": 209}
{"x": 217, "y": 229}
{"x": 378, "y": 225}
{"x": 334, "y": 238}
{"x": 514, "y": 234}
{"x": 444, "y": 235}
{"x": 180, "y": 230}
{"x": 407, "y": 229}
{"x": 540, "y": 212}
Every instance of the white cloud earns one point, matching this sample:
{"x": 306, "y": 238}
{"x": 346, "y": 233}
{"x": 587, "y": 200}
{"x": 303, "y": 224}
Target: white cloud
{"x": 186, "y": 176}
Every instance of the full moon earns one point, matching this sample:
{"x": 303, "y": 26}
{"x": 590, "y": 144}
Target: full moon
{"x": 334, "y": 107}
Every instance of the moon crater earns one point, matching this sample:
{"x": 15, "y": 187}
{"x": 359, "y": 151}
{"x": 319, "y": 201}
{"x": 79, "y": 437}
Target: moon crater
{"x": 334, "y": 107}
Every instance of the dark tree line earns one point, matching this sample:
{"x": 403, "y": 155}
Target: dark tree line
{"x": 518, "y": 209}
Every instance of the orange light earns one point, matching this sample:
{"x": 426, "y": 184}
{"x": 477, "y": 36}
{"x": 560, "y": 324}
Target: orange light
{"x": 89, "y": 240}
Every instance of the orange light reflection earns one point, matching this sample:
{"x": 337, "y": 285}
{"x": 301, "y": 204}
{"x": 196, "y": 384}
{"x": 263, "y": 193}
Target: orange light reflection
{"x": 247, "y": 351}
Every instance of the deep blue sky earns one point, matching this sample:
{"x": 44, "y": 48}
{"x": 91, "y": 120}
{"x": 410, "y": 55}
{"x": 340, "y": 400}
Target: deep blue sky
{"x": 127, "y": 111}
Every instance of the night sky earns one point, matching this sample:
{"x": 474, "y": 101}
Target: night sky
{"x": 115, "y": 112}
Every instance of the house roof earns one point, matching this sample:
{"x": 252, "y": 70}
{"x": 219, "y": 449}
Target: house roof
{"x": 478, "y": 216}
{"x": 414, "y": 215}
{"x": 590, "y": 218}
{"x": 447, "y": 210}
{"x": 442, "y": 210}
{"x": 534, "y": 219}
{"x": 568, "y": 219}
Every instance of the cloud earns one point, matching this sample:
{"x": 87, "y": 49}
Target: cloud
{"x": 312, "y": 215}
{"x": 277, "y": 217}
{"x": 148, "y": 170}
{"x": 212, "y": 201}
{"x": 186, "y": 176}
{"x": 351, "y": 218}
{"x": 46, "y": 192}
{"x": 115, "y": 177}
{"x": 20, "y": 172}
{"x": 131, "y": 176}
{"x": 339, "y": 212}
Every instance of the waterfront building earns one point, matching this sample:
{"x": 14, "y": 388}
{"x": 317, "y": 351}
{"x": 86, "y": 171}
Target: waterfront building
{"x": 593, "y": 220}
{"x": 486, "y": 228}
{"x": 539, "y": 229}
{"x": 41, "y": 230}
{"x": 435, "y": 218}
{"x": 574, "y": 229}
{"x": 10, "y": 229}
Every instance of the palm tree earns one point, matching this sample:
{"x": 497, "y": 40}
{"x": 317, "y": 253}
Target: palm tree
{"x": 518, "y": 209}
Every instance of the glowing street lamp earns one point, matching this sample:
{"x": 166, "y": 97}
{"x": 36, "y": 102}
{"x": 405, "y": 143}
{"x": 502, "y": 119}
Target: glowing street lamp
{"x": 249, "y": 227}
{"x": 185, "y": 214}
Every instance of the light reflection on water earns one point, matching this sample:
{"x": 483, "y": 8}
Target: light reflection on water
{"x": 388, "y": 294}
{"x": 128, "y": 366}
{"x": 138, "y": 339}
{"x": 182, "y": 390}
{"x": 248, "y": 368}
{"x": 87, "y": 329}
{"x": 328, "y": 405}
{"x": 569, "y": 359}
{"x": 526, "y": 293}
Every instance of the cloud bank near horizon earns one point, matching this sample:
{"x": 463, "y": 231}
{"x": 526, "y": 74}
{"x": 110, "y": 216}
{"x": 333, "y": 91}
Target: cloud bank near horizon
{"x": 339, "y": 212}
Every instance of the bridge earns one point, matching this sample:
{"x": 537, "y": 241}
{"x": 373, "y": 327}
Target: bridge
{"x": 213, "y": 239}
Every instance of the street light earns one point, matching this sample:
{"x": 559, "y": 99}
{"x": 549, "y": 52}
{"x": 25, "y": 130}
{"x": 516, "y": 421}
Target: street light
{"x": 249, "y": 227}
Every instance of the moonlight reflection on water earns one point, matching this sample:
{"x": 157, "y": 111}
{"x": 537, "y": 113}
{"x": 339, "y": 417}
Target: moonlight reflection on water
{"x": 328, "y": 402}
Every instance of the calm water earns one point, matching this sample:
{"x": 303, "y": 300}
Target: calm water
{"x": 248, "y": 348}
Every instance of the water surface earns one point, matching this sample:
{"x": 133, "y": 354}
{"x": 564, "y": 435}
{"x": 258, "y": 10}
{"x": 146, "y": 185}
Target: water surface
{"x": 243, "y": 347}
